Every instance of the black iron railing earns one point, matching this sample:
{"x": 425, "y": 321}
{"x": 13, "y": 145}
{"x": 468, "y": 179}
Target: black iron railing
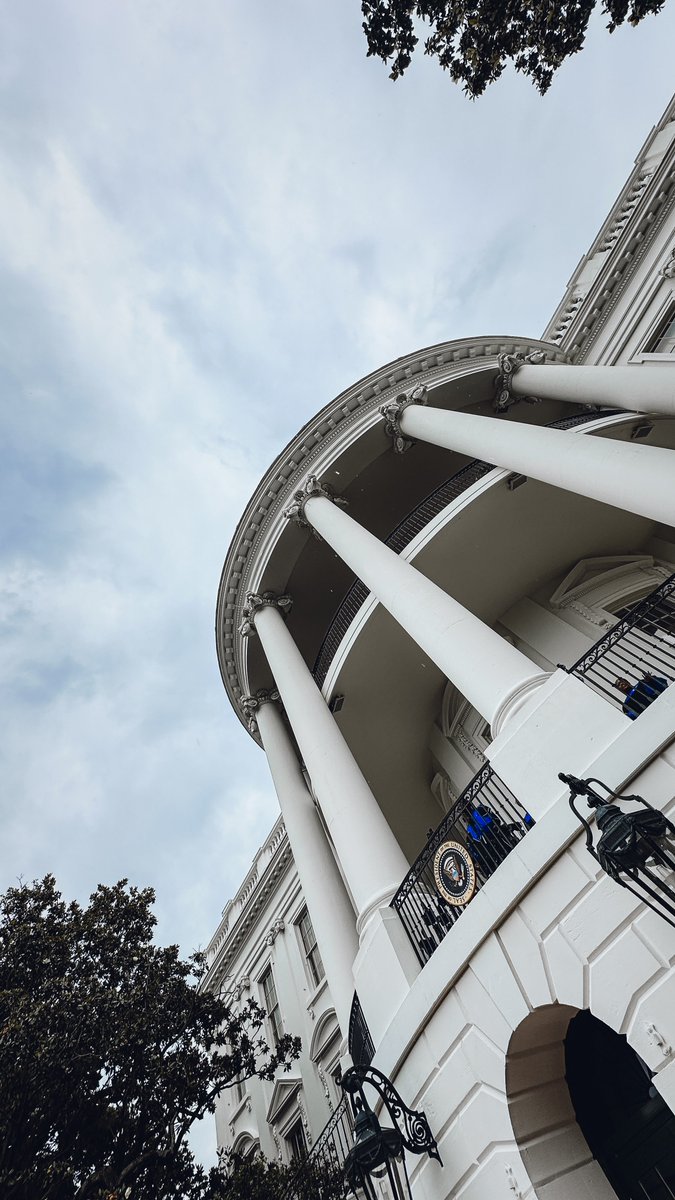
{"x": 323, "y": 1168}
{"x": 360, "y": 1042}
{"x": 408, "y": 529}
{"x": 489, "y": 822}
{"x": 639, "y": 650}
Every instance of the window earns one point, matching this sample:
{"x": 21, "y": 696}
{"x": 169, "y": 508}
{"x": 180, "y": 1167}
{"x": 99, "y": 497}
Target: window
{"x": 271, "y": 1001}
{"x": 663, "y": 340}
{"x": 296, "y": 1142}
{"x": 308, "y": 937}
{"x": 238, "y": 1090}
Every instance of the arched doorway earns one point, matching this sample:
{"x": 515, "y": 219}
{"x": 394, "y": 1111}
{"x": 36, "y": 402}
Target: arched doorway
{"x": 628, "y": 1127}
{"x": 585, "y": 1115}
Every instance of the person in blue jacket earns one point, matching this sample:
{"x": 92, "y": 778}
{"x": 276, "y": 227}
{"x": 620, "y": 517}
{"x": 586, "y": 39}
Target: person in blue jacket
{"x": 641, "y": 694}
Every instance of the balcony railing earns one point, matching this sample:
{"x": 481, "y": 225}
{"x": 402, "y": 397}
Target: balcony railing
{"x": 323, "y": 1168}
{"x": 639, "y": 649}
{"x": 489, "y": 822}
{"x": 408, "y": 529}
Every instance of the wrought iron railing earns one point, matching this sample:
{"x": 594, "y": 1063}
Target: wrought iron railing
{"x": 359, "y": 1040}
{"x": 488, "y": 822}
{"x": 323, "y": 1168}
{"x": 639, "y": 650}
{"x": 408, "y": 529}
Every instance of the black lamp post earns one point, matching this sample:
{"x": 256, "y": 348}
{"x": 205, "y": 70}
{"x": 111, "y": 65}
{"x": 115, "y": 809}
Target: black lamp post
{"x": 636, "y": 849}
{"x": 380, "y": 1153}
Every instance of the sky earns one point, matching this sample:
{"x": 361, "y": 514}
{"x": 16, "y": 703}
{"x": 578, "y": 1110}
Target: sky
{"x": 214, "y": 217}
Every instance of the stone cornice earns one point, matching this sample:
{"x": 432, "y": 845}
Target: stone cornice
{"x": 313, "y": 449}
{"x": 241, "y": 913}
{"x": 644, "y": 204}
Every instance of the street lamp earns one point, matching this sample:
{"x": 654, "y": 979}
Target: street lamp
{"x": 636, "y": 849}
{"x": 379, "y": 1153}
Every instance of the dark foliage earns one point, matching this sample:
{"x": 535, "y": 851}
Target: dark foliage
{"x": 256, "y": 1178}
{"x": 474, "y": 39}
{"x": 108, "y": 1050}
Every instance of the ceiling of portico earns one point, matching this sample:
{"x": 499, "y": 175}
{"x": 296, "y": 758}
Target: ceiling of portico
{"x": 381, "y": 488}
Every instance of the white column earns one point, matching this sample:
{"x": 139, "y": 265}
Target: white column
{"x": 372, "y": 861}
{"x": 492, "y": 674}
{"x": 637, "y": 479}
{"x": 647, "y": 388}
{"x": 328, "y": 905}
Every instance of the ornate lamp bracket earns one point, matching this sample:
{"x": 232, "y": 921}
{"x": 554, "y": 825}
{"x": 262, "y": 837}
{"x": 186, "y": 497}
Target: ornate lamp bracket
{"x": 393, "y": 412}
{"x": 635, "y": 848}
{"x": 251, "y": 704}
{"x": 254, "y": 602}
{"x": 508, "y": 365}
{"x": 312, "y": 487}
{"x": 416, "y": 1136}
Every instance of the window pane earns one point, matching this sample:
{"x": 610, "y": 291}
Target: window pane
{"x": 664, "y": 340}
{"x": 272, "y": 1005}
{"x": 297, "y": 1146}
{"x": 314, "y": 963}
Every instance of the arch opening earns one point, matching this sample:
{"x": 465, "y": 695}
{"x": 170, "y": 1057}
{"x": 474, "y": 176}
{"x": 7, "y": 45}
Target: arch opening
{"x": 585, "y": 1115}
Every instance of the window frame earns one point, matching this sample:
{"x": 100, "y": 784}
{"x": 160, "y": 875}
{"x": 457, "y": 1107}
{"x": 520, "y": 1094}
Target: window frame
{"x": 310, "y": 949}
{"x": 295, "y": 1140}
{"x": 273, "y": 1013}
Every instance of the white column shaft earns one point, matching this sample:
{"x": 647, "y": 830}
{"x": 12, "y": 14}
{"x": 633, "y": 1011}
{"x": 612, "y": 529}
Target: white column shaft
{"x": 648, "y": 388}
{"x": 372, "y": 861}
{"x": 485, "y": 667}
{"x": 327, "y": 902}
{"x": 638, "y": 479}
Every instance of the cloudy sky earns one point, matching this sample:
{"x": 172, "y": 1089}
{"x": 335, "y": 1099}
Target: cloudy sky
{"x": 214, "y": 217}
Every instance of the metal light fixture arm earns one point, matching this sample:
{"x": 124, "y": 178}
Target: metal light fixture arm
{"x": 416, "y": 1136}
{"x": 633, "y": 846}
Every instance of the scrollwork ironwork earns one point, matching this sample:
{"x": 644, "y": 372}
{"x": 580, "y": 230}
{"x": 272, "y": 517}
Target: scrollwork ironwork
{"x": 412, "y": 1125}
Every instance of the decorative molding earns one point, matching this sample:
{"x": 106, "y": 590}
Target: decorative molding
{"x": 509, "y": 364}
{"x": 313, "y": 449}
{"x": 394, "y": 410}
{"x": 460, "y": 735}
{"x": 324, "y": 1083}
{"x": 275, "y": 929}
{"x": 242, "y": 985}
{"x": 240, "y": 914}
{"x": 277, "y": 1143}
{"x": 251, "y": 704}
{"x": 254, "y": 602}
{"x": 303, "y": 1117}
{"x": 310, "y": 489}
{"x": 668, "y": 269}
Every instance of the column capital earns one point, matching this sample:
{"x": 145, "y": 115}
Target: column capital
{"x": 251, "y": 704}
{"x": 311, "y": 488}
{"x": 508, "y": 365}
{"x": 393, "y": 412}
{"x": 254, "y": 603}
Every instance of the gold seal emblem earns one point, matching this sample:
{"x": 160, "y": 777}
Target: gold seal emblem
{"x": 454, "y": 873}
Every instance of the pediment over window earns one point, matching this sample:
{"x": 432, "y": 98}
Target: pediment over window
{"x": 283, "y": 1094}
{"x": 593, "y": 579}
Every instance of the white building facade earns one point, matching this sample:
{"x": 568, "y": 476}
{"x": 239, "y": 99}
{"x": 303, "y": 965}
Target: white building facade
{"x": 422, "y": 620}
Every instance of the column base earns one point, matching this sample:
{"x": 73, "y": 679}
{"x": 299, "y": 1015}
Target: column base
{"x": 515, "y": 700}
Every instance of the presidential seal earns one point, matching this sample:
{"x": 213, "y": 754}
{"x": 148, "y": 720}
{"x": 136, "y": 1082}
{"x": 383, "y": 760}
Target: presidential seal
{"x": 454, "y": 873}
